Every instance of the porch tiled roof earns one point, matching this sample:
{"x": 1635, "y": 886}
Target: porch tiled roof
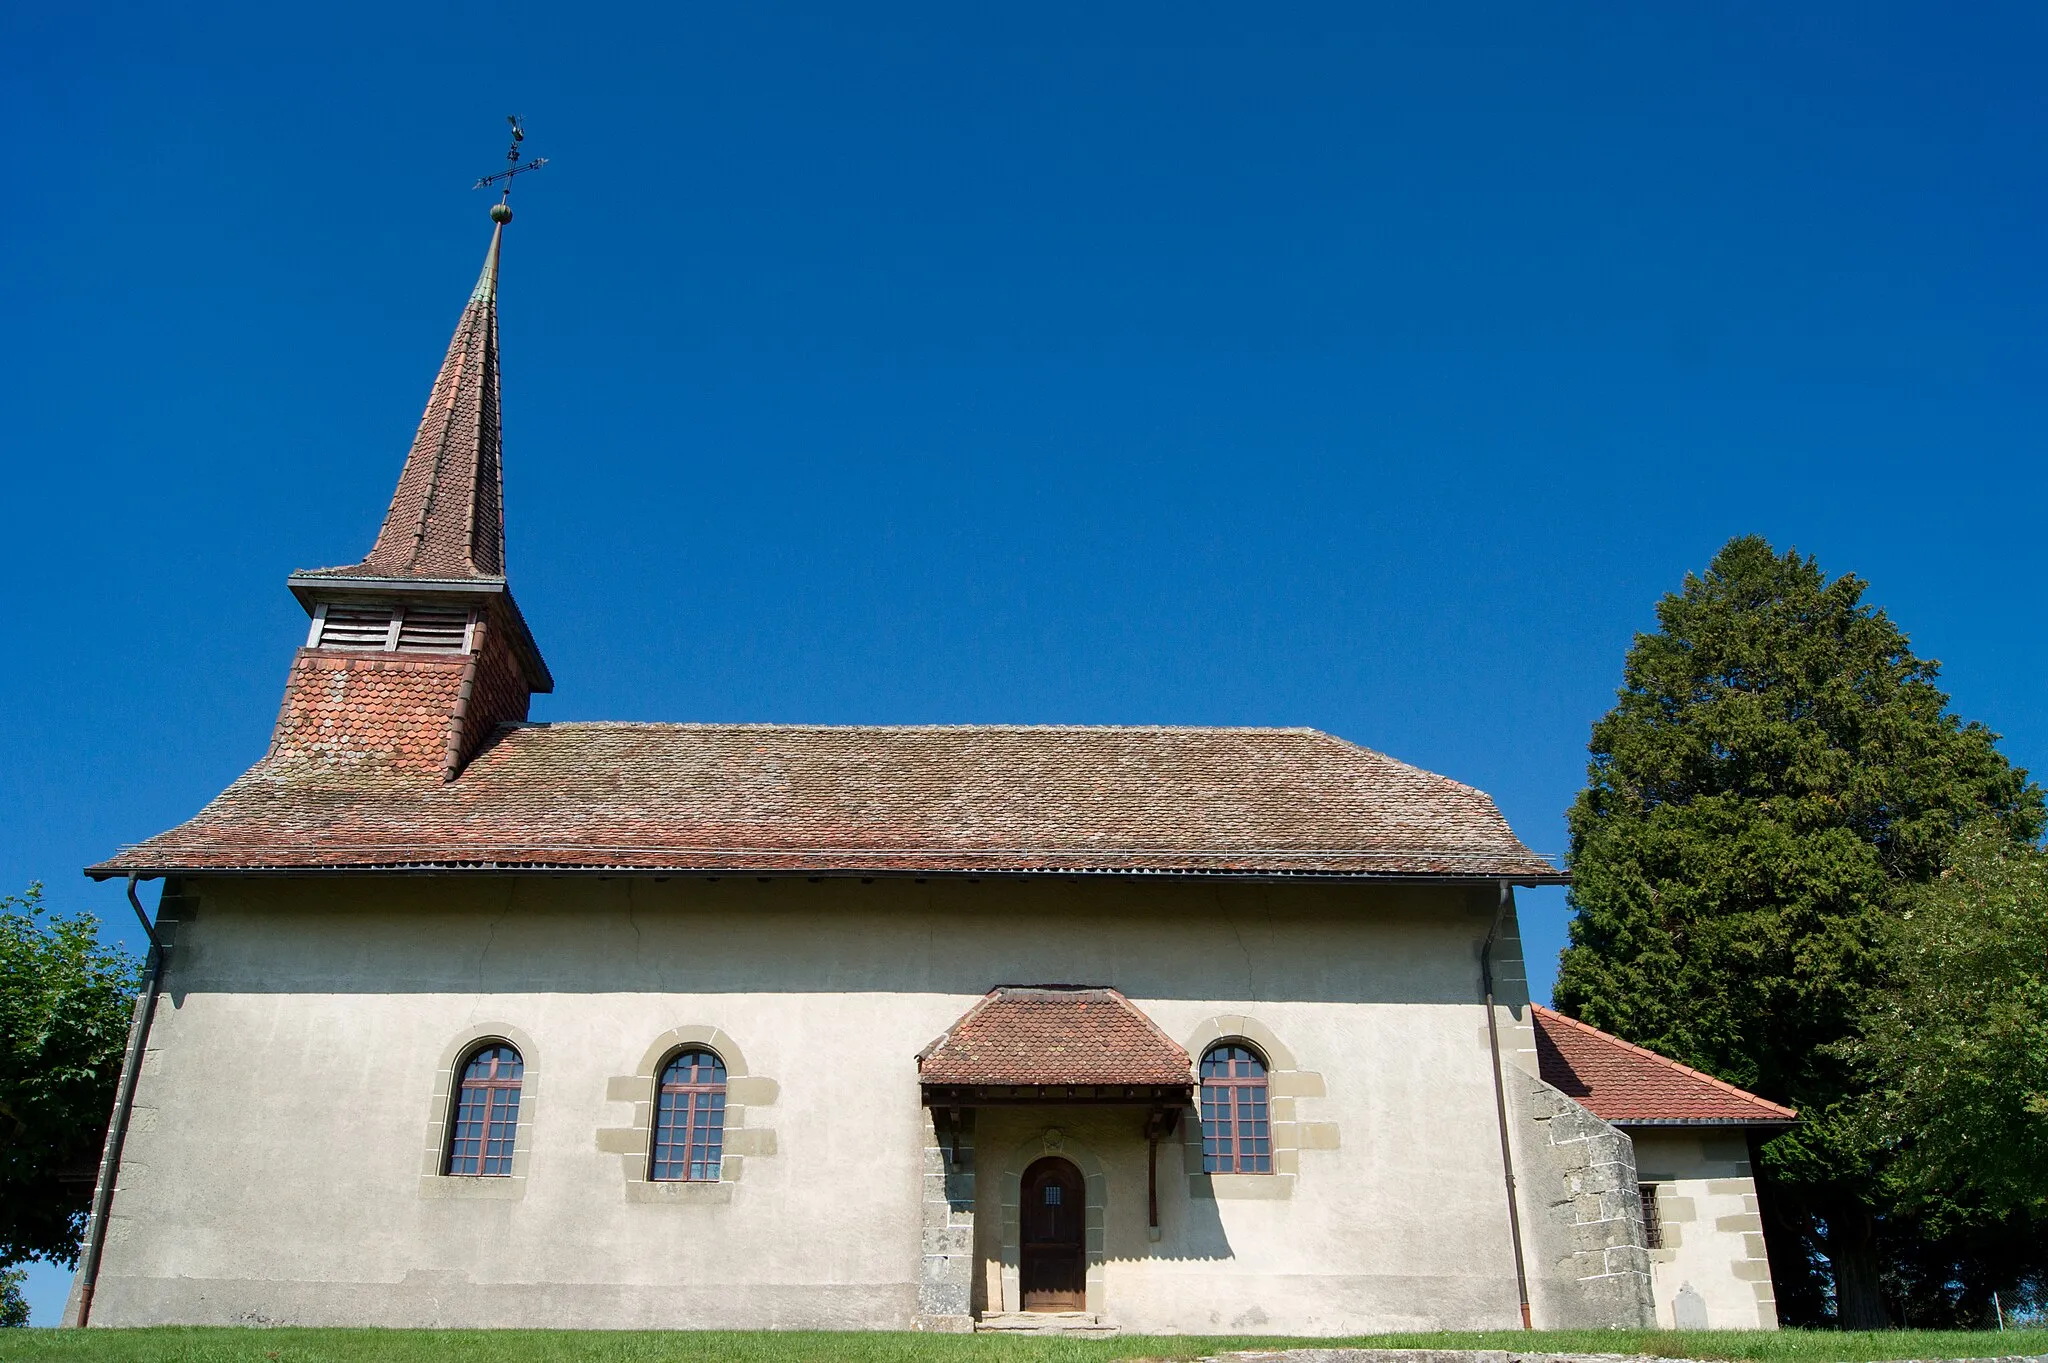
{"x": 814, "y": 798}
{"x": 1628, "y": 1085}
{"x": 1054, "y": 1035}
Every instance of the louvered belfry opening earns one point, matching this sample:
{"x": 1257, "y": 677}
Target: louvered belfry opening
{"x": 442, "y": 629}
{"x": 418, "y": 654}
{"x": 359, "y": 626}
{"x": 390, "y": 626}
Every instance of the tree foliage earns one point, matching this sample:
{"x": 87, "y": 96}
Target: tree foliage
{"x": 65, "y": 1003}
{"x": 1958, "y": 1044}
{"x": 1778, "y": 774}
{"x": 13, "y": 1306}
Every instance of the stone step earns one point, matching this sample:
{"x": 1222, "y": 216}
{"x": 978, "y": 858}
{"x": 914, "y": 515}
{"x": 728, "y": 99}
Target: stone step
{"x": 1083, "y": 1324}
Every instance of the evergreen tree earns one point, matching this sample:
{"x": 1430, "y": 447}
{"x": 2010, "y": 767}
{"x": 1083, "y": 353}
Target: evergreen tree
{"x": 1778, "y": 773}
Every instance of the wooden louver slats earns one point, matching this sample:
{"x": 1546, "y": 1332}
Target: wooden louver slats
{"x": 440, "y": 628}
{"x": 387, "y": 626}
{"x": 356, "y": 626}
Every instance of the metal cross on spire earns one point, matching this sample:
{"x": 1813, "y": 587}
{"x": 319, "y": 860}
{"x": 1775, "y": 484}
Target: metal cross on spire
{"x": 505, "y": 177}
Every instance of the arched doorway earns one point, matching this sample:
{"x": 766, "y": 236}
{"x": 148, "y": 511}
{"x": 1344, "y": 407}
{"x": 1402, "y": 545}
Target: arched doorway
{"x": 1053, "y": 1248}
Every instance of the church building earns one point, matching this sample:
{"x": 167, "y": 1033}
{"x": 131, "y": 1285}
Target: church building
{"x": 458, "y": 1019}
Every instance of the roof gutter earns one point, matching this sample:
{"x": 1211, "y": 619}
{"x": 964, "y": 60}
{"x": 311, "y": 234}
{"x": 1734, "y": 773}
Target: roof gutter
{"x": 110, "y": 872}
{"x": 1500, "y": 1098}
{"x": 124, "y": 1100}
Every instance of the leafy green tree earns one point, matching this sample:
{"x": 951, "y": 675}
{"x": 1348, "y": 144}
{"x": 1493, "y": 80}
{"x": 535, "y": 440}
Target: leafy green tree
{"x": 65, "y": 1003}
{"x": 1958, "y": 1045}
{"x": 13, "y": 1306}
{"x": 1778, "y": 772}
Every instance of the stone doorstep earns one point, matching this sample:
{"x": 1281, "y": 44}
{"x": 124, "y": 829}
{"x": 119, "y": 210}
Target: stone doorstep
{"x": 1079, "y": 1324}
{"x": 1503, "y": 1356}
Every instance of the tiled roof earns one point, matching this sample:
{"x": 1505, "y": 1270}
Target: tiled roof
{"x": 1626, "y": 1084}
{"x": 859, "y": 799}
{"x": 447, "y": 518}
{"x": 1054, "y": 1034}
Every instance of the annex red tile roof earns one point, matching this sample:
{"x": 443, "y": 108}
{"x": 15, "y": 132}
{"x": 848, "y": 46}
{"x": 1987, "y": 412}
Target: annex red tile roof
{"x": 1054, "y": 1035}
{"x": 798, "y": 798}
{"x": 1631, "y": 1086}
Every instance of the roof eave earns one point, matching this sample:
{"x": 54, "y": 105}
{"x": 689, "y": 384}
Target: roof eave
{"x": 1097, "y": 1093}
{"x": 108, "y": 870}
{"x": 1747, "y": 1123}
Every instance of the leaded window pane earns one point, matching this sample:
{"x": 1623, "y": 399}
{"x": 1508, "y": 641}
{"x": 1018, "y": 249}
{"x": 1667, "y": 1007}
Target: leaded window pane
{"x": 485, "y": 1132}
{"x": 689, "y": 1123}
{"x": 1236, "y": 1136}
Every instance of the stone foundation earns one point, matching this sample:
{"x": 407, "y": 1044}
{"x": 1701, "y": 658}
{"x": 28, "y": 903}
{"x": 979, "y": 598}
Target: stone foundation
{"x": 945, "y": 1285}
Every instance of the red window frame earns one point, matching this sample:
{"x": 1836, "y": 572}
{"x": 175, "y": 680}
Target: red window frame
{"x": 689, "y": 1118}
{"x": 485, "y": 1131}
{"x": 1237, "y": 1135}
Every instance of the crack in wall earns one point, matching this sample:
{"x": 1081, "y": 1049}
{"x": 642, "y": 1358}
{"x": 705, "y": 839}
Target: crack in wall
{"x": 491, "y": 940}
{"x": 1251, "y": 985}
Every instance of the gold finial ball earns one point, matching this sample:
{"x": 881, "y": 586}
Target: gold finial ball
{"x": 501, "y": 212}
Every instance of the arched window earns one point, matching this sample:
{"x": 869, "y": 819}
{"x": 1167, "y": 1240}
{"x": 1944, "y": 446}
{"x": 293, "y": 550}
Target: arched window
{"x": 486, "y": 1113}
{"x": 689, "y": 1118}
{"x": 1235, "y": 1136}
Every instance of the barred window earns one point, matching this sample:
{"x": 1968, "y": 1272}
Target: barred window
{"x": 1653, "y": 1225}
{"x": 486, "y": 1114}
{"x": 689, "y": 1118}
{"x": 1235, "y": 1136}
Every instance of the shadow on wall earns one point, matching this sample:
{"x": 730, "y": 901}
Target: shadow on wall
{"x": 680, "y": 935}
{"x": 1108, "y": 1147}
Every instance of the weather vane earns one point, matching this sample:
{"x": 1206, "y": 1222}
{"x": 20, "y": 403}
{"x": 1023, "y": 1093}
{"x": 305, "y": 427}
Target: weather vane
{"x": 502, "y": 210}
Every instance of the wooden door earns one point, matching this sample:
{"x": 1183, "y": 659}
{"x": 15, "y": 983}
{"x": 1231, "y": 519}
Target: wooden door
{"x": 1053, "y": 1259}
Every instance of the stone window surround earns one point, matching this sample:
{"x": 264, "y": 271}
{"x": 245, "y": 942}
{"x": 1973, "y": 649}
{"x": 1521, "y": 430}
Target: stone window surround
{"x": 1286, "y": 1082}
{"x": 745, "y": 1093}
{"x": 1053, "y": 1141}
{"x": 1675, "y": 1212}
{"x": 434, "y": 1182}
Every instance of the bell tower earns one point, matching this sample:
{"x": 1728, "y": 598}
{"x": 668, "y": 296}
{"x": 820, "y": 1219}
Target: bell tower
{"x": 418, "y": 652}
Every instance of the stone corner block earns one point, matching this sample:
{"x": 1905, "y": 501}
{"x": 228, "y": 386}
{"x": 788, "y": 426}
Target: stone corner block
{"x": 629, "y": 1088}
{"x": 621, "y": 1140}
{"x": 753, "y": 1089}
{"x": 1320, "y": 1136}
{"x": 750, "y": 1140}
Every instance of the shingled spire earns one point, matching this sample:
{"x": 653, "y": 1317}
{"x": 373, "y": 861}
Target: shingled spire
{"x": 447, "y": 519}
{"x": 418, "y": 653}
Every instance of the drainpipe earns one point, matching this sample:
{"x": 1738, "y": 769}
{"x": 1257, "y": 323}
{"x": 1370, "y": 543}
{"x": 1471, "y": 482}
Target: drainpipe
{"x": 124, "y": 1098}
{"x": 1500, "y": 1100}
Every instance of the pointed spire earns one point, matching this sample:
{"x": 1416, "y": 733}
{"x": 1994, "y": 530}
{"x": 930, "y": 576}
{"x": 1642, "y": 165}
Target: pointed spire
{"x": 447, "y": 519}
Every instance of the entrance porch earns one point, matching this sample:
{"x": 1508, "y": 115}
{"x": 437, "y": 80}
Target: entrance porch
{"x": 1047, "y": 1081}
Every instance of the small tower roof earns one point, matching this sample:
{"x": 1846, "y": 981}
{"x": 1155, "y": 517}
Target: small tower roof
{"x": 447, "y": 518}
{"x": 445, "y": 530}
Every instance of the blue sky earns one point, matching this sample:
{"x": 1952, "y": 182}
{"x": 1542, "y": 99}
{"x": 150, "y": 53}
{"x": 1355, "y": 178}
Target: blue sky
{"x": 1367, "y": 368}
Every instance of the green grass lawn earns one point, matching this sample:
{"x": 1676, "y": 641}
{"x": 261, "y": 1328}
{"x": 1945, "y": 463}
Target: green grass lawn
{"x": 183, "y": 1345}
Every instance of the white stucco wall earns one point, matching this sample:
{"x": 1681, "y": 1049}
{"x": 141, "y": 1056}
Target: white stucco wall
{"x": 274, "y": 1170}
{"x": 1713, "y": 1235}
